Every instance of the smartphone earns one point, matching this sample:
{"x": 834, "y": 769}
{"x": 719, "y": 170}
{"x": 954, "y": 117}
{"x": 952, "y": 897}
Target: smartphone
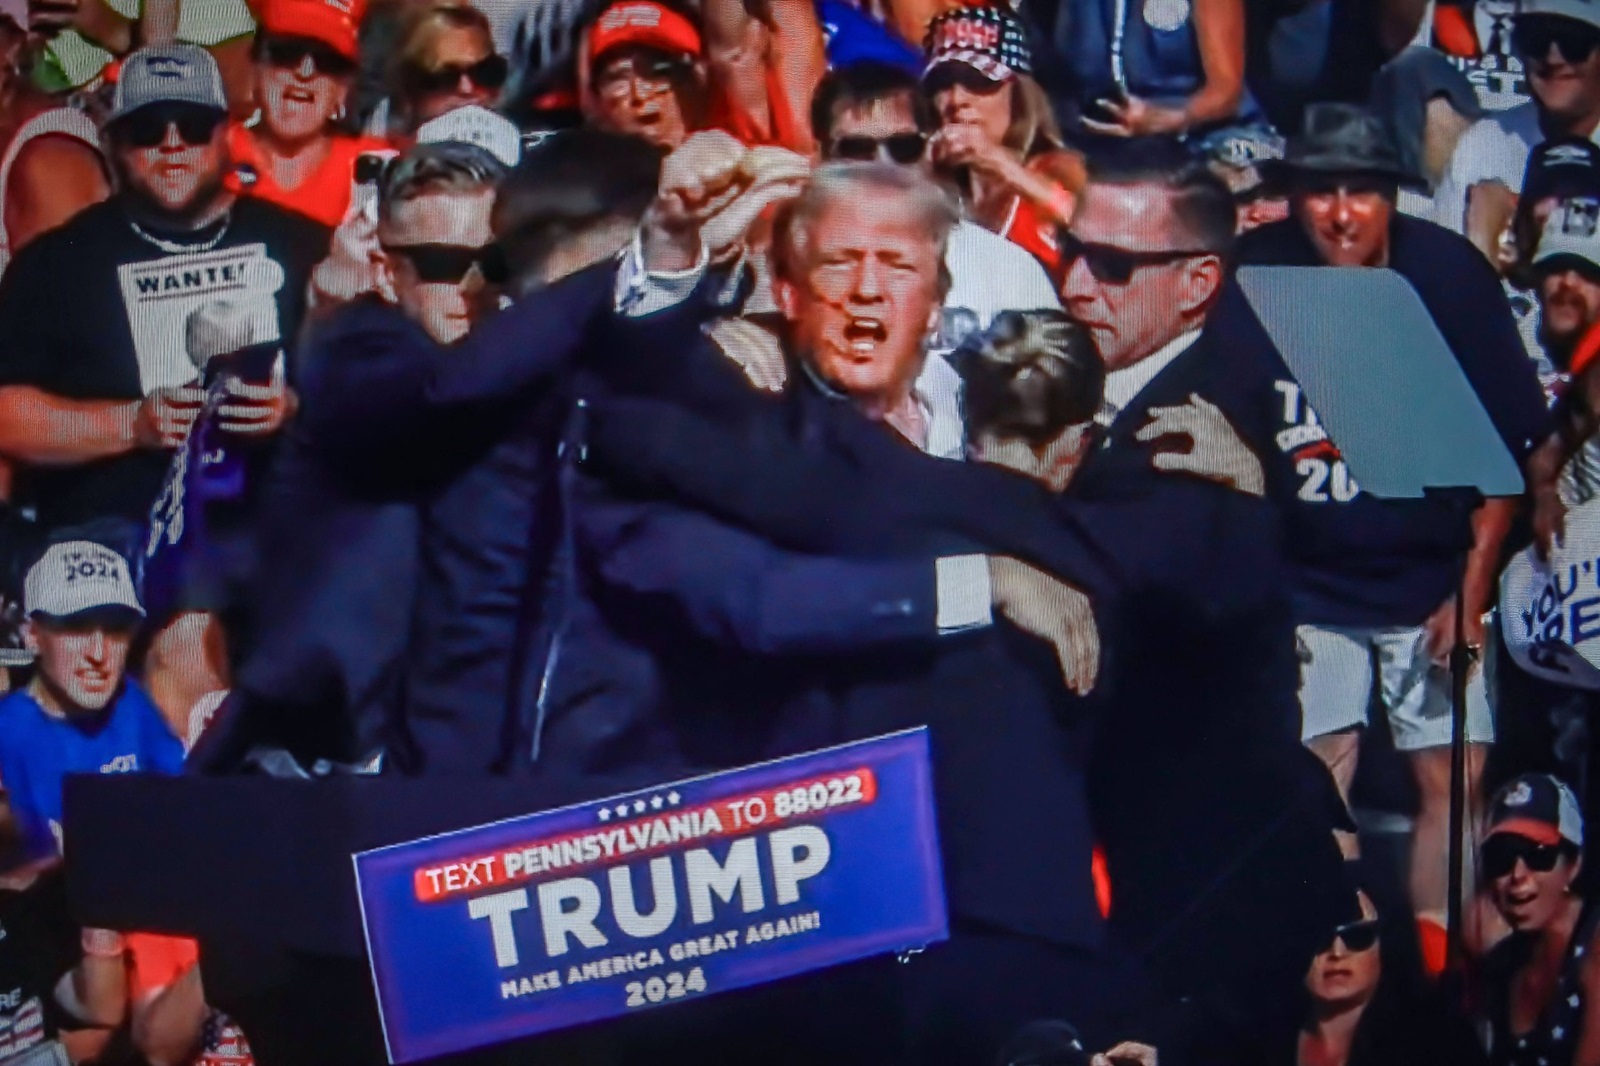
{"x": 253, "y": 365}
{"x": 1100, "y": 109}
{"x": 364, "y": 192}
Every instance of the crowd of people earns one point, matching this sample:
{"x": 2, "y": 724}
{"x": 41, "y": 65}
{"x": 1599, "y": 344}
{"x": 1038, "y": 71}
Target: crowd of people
{"x": 606, "y": 392}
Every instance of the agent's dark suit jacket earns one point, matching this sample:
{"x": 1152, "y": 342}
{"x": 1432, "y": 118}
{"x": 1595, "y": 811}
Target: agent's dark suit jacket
{"x": 1010, "y": 742}
{"x": 390, "y": 423}
{"x": 1215, "y": 819}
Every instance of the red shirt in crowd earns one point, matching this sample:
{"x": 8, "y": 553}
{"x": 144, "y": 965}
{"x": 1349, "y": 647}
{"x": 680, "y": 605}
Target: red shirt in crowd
{"x": 785, "y": 131}
{"x": 325, "y": 195}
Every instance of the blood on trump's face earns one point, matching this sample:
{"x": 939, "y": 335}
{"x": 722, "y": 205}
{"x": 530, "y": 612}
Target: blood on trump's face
{"x": 866, "y": 296}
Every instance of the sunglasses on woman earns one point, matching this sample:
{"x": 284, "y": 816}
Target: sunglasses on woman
{"x": 147, "y": 127}
{"x": 1111, "y": 265}
{"x": 902, "y": 148}
{"x": 1355, "y": 936}
{"x": 952, "y": 73}
{"x": 288, "y": 53}
{"x": 1532, "y": 37}
{"x": 449, "y": 263}
{"x": 487, "y": 73}
{"x": 1500, "y": 854}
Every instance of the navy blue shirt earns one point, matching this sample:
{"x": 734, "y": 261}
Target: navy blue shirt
{"x": 38, "y": 751}
{"x": 1364, "y": 561}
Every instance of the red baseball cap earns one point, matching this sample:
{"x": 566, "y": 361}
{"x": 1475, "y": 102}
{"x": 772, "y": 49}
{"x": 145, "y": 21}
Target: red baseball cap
{"x": 643, "y": 24}
{"x": 336, "y": 23}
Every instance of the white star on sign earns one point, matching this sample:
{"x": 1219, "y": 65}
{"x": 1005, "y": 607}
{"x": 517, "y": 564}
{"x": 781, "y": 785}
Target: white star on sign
{"x": 605, "y": 814}
{"x": 622, "y": 810}
{"x": 638, "y": 806}
{"x": 655, "y": 803}
{"x": 673, "y": 798}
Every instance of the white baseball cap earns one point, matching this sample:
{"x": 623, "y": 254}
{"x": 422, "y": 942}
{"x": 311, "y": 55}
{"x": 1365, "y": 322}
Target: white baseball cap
{"x": 478, "y": 127}
{"x": 78, "y": 576}
{"x": 1571, "y": 232}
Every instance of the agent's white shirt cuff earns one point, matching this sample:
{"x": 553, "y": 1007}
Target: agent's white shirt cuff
{"x": 640, "y": 292}
{"x": 963, "y": 593}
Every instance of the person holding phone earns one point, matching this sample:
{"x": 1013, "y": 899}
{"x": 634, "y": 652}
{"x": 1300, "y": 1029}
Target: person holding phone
{"x": 293, "y": 152}
{"x": 1543, "y": 981}
{"x": 95, "y": 375}
{"x": 996, "y": 133}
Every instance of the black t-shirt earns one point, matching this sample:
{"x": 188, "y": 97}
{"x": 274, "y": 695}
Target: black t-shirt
{"x": 101, "y": 309}
{"x": 38, "y": 944}
{"x": 1366, "y": 561}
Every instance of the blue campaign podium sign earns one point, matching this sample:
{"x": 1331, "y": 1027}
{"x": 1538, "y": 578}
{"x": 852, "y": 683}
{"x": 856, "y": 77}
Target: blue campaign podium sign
{"x": 688, "y": 889}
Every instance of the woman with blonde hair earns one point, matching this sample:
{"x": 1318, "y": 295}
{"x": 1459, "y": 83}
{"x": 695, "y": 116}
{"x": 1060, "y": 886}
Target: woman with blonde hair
{"x": 445, "y": 60}
{"x": 997, "y": 134}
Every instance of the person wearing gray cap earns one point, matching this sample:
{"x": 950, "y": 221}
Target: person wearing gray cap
{"x": 1565, "y": 470}
{"x": 96, "y": 384}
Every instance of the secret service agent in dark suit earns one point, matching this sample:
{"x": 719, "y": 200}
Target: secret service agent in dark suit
{"x": 1008, "y": 742}
{"x": 387, "y": 419}
{"x": 1214, "y": 817}
{"x": 1215, "y": 821}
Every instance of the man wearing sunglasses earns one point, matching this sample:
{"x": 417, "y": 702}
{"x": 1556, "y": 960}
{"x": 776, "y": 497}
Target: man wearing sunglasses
{"x": 437, "y": 261}
{"x": 1376, "y": 579}
{"x": 99, "y": 386}
{"x": 1145, "y": 261}
{"x": 1558, "y": 42}
{"x": 875, "y": 111}
{"x": 646, "y": 75}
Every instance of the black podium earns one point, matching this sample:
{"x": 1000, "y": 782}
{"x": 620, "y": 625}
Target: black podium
{"x": 259, "y": 870}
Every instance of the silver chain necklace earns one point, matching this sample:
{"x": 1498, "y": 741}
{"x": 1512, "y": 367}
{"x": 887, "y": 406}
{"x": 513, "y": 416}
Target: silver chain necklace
{"x": 176, "y": 248}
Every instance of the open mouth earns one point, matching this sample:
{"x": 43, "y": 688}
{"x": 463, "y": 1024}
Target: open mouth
{"x": 295, "y": 95}
{"x": 863, "y": 334}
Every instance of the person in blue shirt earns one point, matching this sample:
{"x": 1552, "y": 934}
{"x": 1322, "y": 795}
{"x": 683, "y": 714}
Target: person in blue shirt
{"x": 80, "y": 713}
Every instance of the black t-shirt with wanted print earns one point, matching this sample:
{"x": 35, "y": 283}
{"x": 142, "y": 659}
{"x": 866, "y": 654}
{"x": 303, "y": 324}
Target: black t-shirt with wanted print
{"x": 104, "y": 308}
